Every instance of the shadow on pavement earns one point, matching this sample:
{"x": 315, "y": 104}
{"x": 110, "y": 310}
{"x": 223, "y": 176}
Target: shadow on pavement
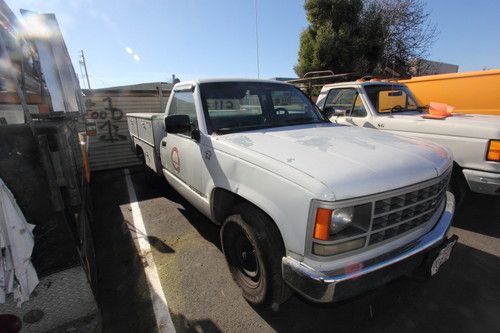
{"x": 122, "y": 294}
{"x": 154, "y": 241}
{"x": 479, "y": 213}
{"x": 160, "y": 188}
{"x": 183, "y": 325}
{"x": 206, "y": 228}
{"x": 159, "y": 245}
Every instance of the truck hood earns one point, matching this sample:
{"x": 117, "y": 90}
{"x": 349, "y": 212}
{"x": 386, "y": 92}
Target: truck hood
{"x": 349, "y": 161}
{"x": 459, "y": 124}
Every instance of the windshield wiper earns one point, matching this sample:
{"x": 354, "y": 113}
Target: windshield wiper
{"x": 300, "y": 119}
{"x": 401, "y": 109}
{"x": 422, "y": 108}
{"x": 294, "y": 121}
{"x": 225, "y": 130}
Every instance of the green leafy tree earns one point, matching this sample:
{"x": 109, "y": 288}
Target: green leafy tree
{"x": 342, "y": 36}
{"x": 363, "y": 35}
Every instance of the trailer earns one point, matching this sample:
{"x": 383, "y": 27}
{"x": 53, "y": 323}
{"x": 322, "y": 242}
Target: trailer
{"x": 43, "y": 164}
{"x": 468, "y": 92}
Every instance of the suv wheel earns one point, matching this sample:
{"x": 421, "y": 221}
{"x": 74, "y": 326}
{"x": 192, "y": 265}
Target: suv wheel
{"x": 254, "y": 248}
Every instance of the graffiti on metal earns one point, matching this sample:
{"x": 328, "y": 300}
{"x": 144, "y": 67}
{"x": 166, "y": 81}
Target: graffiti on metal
{"x": 108, "y": 129}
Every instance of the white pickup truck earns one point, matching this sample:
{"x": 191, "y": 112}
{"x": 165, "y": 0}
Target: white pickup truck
{"x": 326, "y": 209}
{"x": 473, "y": 139}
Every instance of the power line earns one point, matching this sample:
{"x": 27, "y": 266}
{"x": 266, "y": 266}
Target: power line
{"x": 257, "y": 39}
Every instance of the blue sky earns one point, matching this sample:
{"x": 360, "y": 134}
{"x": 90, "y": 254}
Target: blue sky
{"x": 133, "y": 41}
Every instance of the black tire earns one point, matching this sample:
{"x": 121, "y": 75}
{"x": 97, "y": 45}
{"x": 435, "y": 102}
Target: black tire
{"x": 150, "y": 176}
{"x": 254, "y": 248}
{"x": 458, "y": 185}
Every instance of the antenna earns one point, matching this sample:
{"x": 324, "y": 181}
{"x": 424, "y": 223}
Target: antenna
{"x": 257, "y": 39}
{"x": 82, "y": 61}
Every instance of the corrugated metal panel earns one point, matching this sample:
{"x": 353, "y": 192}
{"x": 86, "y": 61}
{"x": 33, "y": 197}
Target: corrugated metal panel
{"x": 110, "y": 148}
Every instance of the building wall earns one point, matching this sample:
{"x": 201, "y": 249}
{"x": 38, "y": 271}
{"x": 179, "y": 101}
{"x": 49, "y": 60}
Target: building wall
{"x": 110, "y": 147}
{"x": 429, "y": 67}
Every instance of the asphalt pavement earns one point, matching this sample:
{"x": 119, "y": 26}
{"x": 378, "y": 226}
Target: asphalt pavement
{"x": 202, "y": 297}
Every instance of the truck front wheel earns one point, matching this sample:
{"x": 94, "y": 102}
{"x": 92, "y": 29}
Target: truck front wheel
{"x": 254, "y": 249}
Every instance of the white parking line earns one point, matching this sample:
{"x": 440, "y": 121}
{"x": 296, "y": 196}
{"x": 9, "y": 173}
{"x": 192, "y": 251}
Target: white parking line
{"x": 160, "y": 307}
{"x": 478, "y": 241}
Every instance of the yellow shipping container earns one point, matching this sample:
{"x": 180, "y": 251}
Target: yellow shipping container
{"x": 468, "y": 92}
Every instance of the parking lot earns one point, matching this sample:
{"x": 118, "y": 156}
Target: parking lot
{"x": 202, "y": 297}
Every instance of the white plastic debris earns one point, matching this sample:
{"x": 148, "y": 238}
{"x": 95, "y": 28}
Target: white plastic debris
{"x": 17, "y": 274}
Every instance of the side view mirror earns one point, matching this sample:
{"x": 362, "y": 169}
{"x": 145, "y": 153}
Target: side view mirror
{"x": 177, "y": 123}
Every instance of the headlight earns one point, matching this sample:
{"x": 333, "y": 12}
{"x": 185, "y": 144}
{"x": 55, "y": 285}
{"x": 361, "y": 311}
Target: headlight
{"x": 340, "y": 219}
{"x": 493, "y": 151}
{"x": 332, "y": 226}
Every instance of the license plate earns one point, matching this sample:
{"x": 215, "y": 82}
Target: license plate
{"x": 442, "y": 257}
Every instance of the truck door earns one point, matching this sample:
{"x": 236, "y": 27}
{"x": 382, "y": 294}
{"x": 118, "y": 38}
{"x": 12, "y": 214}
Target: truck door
{"x": 349, "y": 101}
{"x": 180, "y": 153}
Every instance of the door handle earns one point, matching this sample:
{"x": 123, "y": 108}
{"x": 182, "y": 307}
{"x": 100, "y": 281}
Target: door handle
{"x": 163, "y": 144}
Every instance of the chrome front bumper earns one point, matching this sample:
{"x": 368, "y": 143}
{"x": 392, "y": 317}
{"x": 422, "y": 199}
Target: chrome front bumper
{"x": 332, "y": 286}
{"x": 483, "y": 182}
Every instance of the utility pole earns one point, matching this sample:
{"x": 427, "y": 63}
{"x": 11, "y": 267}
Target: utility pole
{"x": 85, "y": 68}
{"x": 82, "y": 76}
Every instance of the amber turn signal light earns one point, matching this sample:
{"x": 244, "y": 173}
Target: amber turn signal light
{"x": 322, "y": 224}
{"x": 494, "y": 151}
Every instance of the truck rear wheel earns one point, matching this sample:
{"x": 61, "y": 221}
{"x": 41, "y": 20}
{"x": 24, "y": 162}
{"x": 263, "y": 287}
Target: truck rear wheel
{"x": 253, "y": 248}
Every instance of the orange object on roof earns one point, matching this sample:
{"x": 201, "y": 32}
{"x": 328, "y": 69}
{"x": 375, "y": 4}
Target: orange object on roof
{"x": 439, "y": 111}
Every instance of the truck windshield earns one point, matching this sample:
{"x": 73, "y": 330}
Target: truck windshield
{"x": 242, "y": 106}
{"x": 391, "y": 98}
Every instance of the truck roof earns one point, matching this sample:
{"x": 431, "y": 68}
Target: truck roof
{"x": 365, "y": 83}
{"x": 213, "y": 80}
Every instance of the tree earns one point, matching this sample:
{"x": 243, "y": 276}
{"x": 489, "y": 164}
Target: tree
{"x": 408, "y": 33}
{"x": 336, "y": 38}
{"x": 363, "y": 35}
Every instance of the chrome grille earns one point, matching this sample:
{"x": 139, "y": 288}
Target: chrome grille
{"x": 398, "y": 214}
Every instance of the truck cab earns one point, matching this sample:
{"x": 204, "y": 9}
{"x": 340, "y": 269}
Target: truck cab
{"x": 473, "y": 139}
{"x": 303, "y": 204}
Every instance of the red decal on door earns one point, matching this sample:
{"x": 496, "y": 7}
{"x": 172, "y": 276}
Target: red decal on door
{"x": 176, "y": 161}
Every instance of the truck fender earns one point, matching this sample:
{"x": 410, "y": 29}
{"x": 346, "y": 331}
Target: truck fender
{"x": 241, "y": 193}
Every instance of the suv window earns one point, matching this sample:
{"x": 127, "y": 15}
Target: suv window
{"x": 346, "y": 99}
{"x": 183, "y": 103}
